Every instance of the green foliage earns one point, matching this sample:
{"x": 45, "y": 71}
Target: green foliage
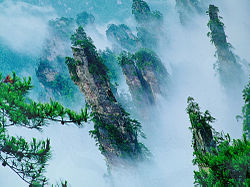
{"x": 61, "y": 85}
{"x": 28, "y": 160}
{"x": 198, "y": 119}
{"x": 143, "y": 14}
{"x": 141, "y": 10}
{"x": 121, "y": 141}
{"x": 227, "y": 163}
{"x": 144, "y": 59}
{"x": 122, "y": 35}
{"x": 246, "y": 111}
{"x": 110, "y": 60}
{"x": 96, "y": 66}
{"x": 228, "y": 63}
{"x": 147, "y": 58}
{"x": 71, "y": 63}
{"x": 217, "y": 34}
{"x": 61, "y": 184}
{"x": 125, "y": 58}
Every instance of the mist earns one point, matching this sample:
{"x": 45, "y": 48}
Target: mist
{"x": 188, "y": 55}
{"x": 23, "y": 27}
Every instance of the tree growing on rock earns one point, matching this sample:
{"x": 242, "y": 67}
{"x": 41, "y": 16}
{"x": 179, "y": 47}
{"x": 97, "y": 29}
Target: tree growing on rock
{"x": 139, "y": 88}
{"x": 117, "y": 135}
{"x": 221, "y": 161}
{"x": 149, "y": 24}
{"x": 145, "y": 75}
{"x": 228, "y": 66}
{"x": 51, "y": 71}
{"x": 122, "y": 38}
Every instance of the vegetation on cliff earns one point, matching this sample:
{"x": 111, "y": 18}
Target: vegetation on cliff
{"x": 228, "y": 66}
{"x": 143, "y": 14}
{"x": 122, "y": 37}
{"x": 115, "y": 132}
{"x": 135, "y": 56}
{"x": 51, "y": 67}
{"x": 145, "y": 74}
{"x": 221, "y": 161}
{"x": 149, "y": 24}
{"x": 246, "y": 111}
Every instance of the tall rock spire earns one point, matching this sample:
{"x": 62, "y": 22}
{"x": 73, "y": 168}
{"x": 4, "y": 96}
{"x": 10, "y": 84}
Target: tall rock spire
{"x": 229, "y": 69}
{"x": 115, "y": 133}
{"x": 203, "y": 140}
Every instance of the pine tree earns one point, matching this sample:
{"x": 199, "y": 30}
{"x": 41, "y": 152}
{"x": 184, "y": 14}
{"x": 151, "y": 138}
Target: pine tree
{"x": 28, "y": 159}
{"x": 221, "y": 161}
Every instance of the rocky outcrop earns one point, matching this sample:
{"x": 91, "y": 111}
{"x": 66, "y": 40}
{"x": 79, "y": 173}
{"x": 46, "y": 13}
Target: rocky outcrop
{"x": 228, "y": 66}
{"x": 149, "y": 28}
{"x": 114, "y": 131}
{"x": 187, "y": 9}
{"x": 57, "y": 85}
{"x": 122, "y": 37}
{"x": 203, "y": 140}
{"x": 51, "y": 67}
{"x": 149, "y": 24}
{"x": 146, "y": 77}
{"x": 140, "y": 90}
{"x": 143, "y": 14}
{"x": 153, "y": 71}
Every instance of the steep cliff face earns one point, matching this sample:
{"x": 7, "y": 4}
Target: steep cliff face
{"x": 57, "y": 85}
{"x": 122, "y": 37}
{"x": 203, "y": 140}
{"x": 51, "y": 67}
{"x": 230, "y": 71}
{"x": 189, "y": 8}
{"x": 153, "y": 71}
{"x": 221, "y": 161}
{"x": 146, "y": 77}
{"x": 140, "y": 89}
{"x": 149, "y": 24}
{"x": 115, "y": 133}
{"x": 145, "y": 74}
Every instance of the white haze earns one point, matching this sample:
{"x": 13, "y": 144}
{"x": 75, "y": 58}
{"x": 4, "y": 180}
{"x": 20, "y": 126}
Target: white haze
{"x": 23, "y": 27}
{"x": 189, "y": 57}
